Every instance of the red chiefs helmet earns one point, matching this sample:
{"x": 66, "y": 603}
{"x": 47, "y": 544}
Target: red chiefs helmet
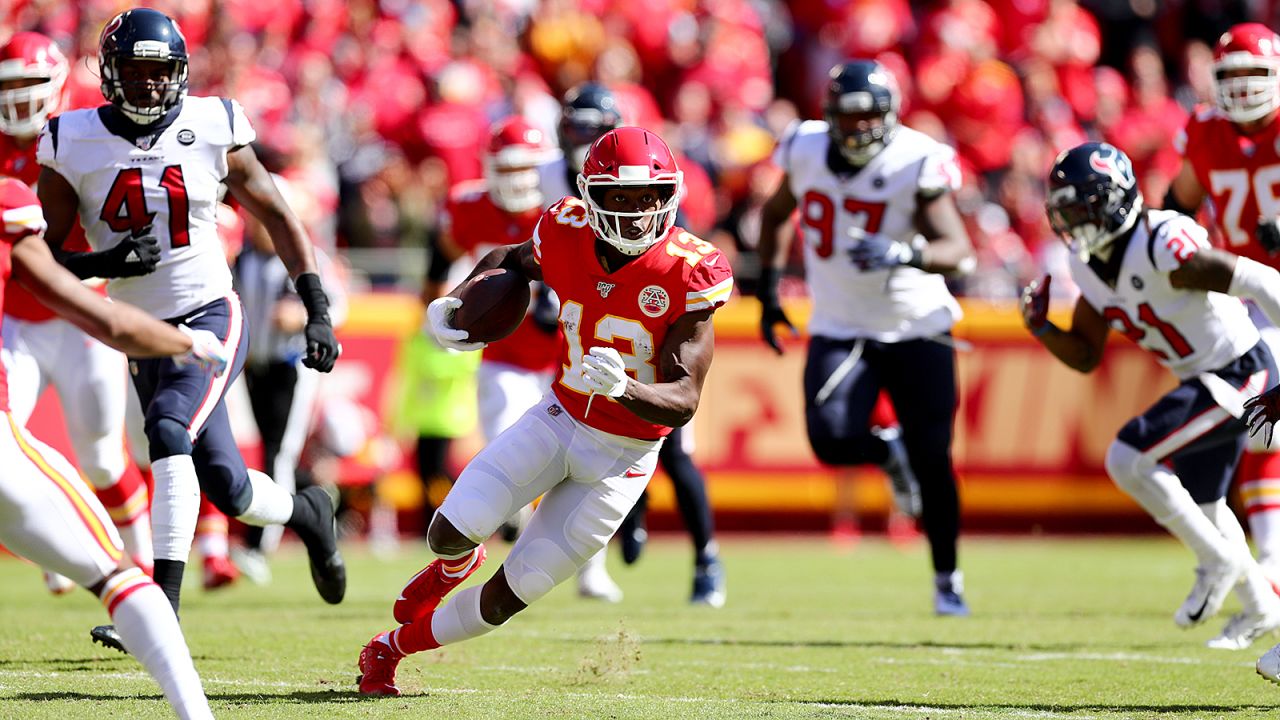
{"x": 511, "y": 161}
{"x": 29, "y": 57}
{"x": 634, "y": 157}
{"x": 1255, "y": 50}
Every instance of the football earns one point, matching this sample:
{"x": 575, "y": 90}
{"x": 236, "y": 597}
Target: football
{"x": 494, "y": 303}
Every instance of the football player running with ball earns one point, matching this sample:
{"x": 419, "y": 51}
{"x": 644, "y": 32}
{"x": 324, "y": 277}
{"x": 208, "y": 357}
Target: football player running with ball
{"x": 144, "y": 174}
{"x": 1151, "y": 275}
{"x": 1231, "y": 156}
{"x": 879, "y": 223}
{"x": 637, "y": 296}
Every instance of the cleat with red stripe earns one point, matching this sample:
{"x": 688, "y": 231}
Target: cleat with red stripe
{"x": 219, "y": 572}
{"x": 378, "y": 668}
{"x": 425, "y": 590}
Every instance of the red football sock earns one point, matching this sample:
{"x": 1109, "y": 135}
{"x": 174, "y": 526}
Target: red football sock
{"x": 126, "y": 500}
{"x": 414, "y": 637}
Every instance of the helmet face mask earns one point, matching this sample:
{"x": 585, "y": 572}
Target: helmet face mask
{"x": 142, "y": 58}
{"x": 32, "y": 74}
{"x": 511, "y": 161}
{"x": 1246, "y": 72}
{"x": 859, "y": 93}
{"x": 1093, "y": 197}
{"x": 640, "y": 216}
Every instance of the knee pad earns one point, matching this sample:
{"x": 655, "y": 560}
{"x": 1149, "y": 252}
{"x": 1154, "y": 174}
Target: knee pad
{"x": 167, "y": 437}
{"x": 1127, "y": 465}
{"x": 535, "y": 567}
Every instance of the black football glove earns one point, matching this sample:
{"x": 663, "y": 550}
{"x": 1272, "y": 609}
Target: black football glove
{"x": 1034, "y": 304}
{"x": 322, "y": 345}
{"x": 771, "y": 312}
{"x": 1268, "y": 235}
{"x": 131, "y": 257}
{"x": 1262, "y": 412}
{"x": 545, "y": 312}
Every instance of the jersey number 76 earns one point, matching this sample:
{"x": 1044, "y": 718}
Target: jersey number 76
{"x": 125, "y": 209}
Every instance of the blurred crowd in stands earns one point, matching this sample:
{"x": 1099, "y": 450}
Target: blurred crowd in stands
{"x": 374, "y": 108}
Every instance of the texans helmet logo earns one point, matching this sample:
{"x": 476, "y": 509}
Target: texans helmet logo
{"x": 1113, "y": 165}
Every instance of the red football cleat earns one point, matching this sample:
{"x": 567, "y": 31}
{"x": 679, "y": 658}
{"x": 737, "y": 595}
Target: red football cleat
{"x": 219, "y": 572}
{"x": 378, "y": 668}
{"x": 425, "y": 590}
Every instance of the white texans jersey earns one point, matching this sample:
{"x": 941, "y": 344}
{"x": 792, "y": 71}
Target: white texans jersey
{"x": 1189, "y": 331}
{"x": 554, "y": 181}
{"x": 169, "y": 188}
{"x": 838, "y": 211}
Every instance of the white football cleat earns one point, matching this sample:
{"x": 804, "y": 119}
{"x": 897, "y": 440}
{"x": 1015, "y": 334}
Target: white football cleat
{"x": 1243, "y": 628}
{"x": 594, "y": 581}
{"x": 1213, "y": 584}
{"x": 58, "y": 584}
{"x": 1269, "y": 665}
{"x": 252, "y": 564}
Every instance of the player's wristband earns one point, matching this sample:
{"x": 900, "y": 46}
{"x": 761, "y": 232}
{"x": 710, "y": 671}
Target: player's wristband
{"x": 84, "y": 265}
{"x": 312, "y": 295}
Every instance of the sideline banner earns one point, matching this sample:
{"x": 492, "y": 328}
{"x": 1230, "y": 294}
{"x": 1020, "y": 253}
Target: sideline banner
{"x": 1030, "y": 433}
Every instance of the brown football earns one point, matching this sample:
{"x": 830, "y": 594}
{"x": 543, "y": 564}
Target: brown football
{"x": 494, "y": 303}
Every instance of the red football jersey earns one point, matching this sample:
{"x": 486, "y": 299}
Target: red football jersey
{"x": 21, "y": 216}
{"x": 479, "y": 226}
{"x": 20, "y": 163}
{"x": 630, "y": 309}
{"x": 1241, "y": 174}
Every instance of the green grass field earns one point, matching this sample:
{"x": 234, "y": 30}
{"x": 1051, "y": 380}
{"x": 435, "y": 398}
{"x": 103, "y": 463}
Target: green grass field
{"x": 1062, "y": 629}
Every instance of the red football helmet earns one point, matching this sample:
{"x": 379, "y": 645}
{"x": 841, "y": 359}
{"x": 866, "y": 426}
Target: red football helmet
{"x": 30, "y": 56}
{"x": 630, "y": 156}
{"x": 511, "y": 161}
{"x": 1246, "y": 72}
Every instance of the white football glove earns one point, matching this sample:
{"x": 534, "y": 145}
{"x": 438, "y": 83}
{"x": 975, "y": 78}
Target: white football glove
{"x": 439, "y": 318}
{"x": 207, "y": 351}
{"x": 604, "y": 372}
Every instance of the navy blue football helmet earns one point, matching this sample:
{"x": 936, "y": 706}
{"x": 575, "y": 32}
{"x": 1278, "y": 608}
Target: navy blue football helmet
{"x": 143, "y": 34}
{"x": 858, "y": 89}
{"x": 588, "y": 112}
{"x": 1093, "y": 196}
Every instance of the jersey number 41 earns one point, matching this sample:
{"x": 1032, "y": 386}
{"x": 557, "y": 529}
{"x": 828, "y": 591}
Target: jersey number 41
{"x": 125, "y": 209}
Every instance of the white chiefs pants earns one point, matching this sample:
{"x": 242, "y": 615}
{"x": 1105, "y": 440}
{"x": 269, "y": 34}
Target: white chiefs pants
{"x": 505, "y": 393}
{"x": 47, "y": 514}
{"x": 588, "y": 480}
{"x": 91, "y": 380}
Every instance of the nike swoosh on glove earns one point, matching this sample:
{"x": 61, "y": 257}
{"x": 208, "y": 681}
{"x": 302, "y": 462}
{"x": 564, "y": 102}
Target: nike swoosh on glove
{"x": 207, "y": 351}
{"x": 439, "y": 321}
{"x": 604, "y": 372}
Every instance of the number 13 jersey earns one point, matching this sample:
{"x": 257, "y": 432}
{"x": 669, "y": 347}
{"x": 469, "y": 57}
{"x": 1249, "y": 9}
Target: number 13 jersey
{"x": 169, "y": 189}
{"x": 630, "y": 309}
{"x": 1189, "y": 331}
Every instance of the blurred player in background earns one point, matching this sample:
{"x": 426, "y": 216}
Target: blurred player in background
{"x": 1231, "y": 157}
{"x": 282, "y": 391}
{"x": 41, "y": 349}
{"x": 46, "y": 514}
{"x": 588, "y": 111}
{"x": 637, "y": 296}
{"x": 144, "y": 174}
{"x": 502, "y": 209}
{"x": 879, "y": 223}
{"x": 1152, "y": 275}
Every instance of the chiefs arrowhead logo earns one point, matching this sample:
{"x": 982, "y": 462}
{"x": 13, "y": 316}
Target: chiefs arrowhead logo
{"x": 654, "y": 301}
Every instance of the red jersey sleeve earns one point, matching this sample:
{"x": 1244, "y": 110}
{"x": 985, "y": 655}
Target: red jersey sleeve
{"x": 20, "y": 211}
{"x": 710, "y": 283}
{"x": 459, "y": 213}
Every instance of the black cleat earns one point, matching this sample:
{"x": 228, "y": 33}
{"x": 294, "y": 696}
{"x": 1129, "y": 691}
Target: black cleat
{"x": 319, "y": 532}
{"x": 106, "y": 636}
